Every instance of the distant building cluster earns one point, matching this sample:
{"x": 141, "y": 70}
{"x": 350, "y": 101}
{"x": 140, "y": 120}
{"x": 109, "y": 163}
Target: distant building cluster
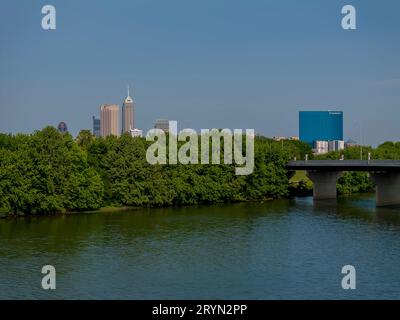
{"x": 322, "y": 147}
{"x": 294, "y": 138}
{"x": 322, "y": 130}
{"x": 109, "y": 121}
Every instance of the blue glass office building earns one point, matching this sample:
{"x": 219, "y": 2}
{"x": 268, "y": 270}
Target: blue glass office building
{"x": 320, "y": 125}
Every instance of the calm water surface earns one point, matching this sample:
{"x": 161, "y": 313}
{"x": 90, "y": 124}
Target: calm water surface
{"x": 290, "y": 249}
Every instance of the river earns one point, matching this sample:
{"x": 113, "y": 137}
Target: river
{"x": 285, "y": 249}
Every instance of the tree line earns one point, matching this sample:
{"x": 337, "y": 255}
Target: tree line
{"x": 48, "y": 172}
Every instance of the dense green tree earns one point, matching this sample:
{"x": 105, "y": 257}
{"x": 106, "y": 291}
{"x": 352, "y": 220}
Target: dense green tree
{"x": 48, "y": 172}
{"x": 387, "y": 150}
{"x": 269, "y": 179}
{"x": 84, "y": 139}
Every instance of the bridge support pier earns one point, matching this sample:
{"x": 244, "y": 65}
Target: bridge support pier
{"x": 324, "y": 183}
{"x": 387, "y": 188}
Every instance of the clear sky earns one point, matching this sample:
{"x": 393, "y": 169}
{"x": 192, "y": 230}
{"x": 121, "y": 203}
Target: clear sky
{"x": 206, "y": 63}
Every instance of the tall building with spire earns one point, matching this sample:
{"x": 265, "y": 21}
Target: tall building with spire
{"x": 128, "y": 116}
{"x": 109, "y": 120}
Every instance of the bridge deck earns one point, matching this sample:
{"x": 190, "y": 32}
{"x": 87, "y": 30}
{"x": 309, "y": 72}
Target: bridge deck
{"x": 345, "y": 165}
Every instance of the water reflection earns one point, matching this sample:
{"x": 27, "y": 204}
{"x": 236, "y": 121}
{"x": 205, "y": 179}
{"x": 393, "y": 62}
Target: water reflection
{"x": 361, "y": 207}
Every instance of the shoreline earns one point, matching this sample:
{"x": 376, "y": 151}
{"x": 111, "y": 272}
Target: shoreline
{"x": 111, "y": 209}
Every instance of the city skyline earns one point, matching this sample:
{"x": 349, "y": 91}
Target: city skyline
{"x": 280, "y": 58}
{"x": 109, "y": 122}
{"x": 119, "y": 122}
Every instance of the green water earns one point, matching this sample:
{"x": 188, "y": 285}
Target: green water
{"x": 289, "y": 249}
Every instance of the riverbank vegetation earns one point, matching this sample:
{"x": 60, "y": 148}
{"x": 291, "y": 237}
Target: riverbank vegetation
{"x": 49, "y": 172}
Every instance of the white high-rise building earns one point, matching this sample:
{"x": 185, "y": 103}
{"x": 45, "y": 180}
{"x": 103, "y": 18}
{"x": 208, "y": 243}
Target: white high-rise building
{"x": 321, "y": 147}
{"x": 336, "y": 145}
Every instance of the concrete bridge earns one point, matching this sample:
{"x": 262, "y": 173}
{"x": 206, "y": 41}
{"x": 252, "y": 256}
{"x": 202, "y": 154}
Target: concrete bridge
{"x": 325, "y": 173}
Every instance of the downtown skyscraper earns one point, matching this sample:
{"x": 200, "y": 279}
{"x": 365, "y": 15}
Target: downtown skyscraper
{"x": 109, "y": 120}
{"x": 128, "y": 116}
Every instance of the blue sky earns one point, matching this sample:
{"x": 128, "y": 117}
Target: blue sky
{"x": 209, "y": 63}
